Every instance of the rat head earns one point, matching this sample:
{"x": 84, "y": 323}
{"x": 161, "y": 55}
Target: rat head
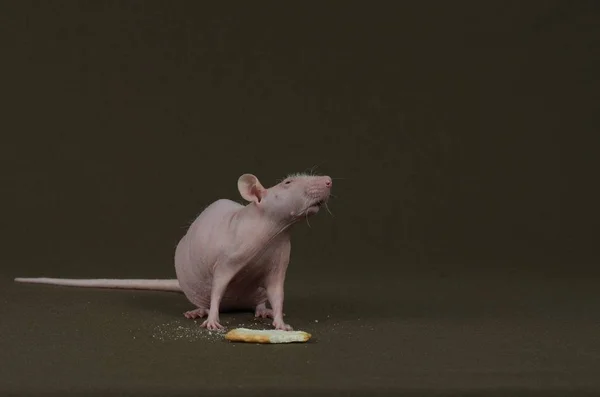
{"x": 295, "y": 197}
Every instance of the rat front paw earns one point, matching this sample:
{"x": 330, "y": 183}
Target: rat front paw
{"x": 212, "y": 325}
{"x": 280, "y": 325}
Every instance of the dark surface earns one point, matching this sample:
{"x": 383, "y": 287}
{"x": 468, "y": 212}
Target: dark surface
{"x": 462, "y": 140}
{"x": 370, "y": 334}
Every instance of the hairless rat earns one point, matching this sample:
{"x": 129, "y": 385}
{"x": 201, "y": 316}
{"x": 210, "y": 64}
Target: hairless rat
{"x": 235, "y": 257}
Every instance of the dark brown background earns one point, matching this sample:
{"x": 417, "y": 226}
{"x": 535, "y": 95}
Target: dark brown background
{"x": 463, "y": 135}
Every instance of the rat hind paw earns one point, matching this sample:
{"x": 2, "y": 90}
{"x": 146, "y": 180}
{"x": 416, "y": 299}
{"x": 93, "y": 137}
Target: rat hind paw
{"x": 196, "y": 313}
{"x": 262, "y": 311}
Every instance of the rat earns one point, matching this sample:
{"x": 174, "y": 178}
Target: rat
{"x": 234, "y": 256}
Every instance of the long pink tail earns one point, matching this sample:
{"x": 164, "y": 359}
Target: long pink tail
{"x": 144, "y": 284}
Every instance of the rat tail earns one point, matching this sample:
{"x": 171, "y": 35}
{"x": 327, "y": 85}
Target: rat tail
{"x": 144, "y": 284}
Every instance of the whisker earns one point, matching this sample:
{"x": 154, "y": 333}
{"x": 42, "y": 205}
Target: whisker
{"x": 307, "y": 222}
{"x": 328, "y": 210}
{"x": 311, "y": 171}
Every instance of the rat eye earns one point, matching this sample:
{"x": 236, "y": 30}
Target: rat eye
{"x": 287, "y": 182}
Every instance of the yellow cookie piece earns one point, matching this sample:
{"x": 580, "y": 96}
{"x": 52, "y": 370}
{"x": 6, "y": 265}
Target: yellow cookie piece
{"x": 266, "y": 336}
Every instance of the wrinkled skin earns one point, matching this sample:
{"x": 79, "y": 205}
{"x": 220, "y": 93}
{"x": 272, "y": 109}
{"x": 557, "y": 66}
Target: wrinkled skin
{"x": 235, "y": 257}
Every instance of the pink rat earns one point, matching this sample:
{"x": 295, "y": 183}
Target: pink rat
{"x": 235, "y": 257}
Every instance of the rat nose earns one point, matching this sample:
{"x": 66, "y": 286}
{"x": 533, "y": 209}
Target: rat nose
{"x": 328, "y": 181}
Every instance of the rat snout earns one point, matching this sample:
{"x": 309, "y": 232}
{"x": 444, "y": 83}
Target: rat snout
{"x": 319, "y": 188}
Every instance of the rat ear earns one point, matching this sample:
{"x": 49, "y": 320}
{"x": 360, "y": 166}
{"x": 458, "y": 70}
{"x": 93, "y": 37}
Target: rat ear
{"x": 250, "y": 188}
